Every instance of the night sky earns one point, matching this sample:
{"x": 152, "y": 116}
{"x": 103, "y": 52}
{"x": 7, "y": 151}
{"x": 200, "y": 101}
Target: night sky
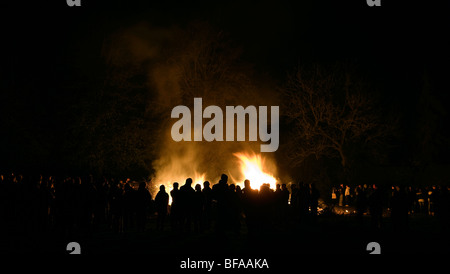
{"x": 50, "y": 48}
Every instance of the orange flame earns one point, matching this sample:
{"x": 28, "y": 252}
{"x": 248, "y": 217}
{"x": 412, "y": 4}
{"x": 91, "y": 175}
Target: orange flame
{"x": 253, "y": 169}
{"x": 198, "y": 179}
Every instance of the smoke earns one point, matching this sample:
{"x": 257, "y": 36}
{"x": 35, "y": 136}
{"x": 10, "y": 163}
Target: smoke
{"x": 183, "y": 63}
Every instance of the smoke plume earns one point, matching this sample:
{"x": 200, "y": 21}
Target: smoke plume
{"x": 182, "y": 63}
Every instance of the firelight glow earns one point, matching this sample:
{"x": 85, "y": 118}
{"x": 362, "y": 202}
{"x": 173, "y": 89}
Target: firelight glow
{"x": 250, "y": 165}
{"x": 198, "y": 179}
{"x": 252, "y": 168}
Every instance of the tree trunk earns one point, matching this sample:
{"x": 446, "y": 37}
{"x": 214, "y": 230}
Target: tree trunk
{"x": 345, "y": 168}
{"x": 343, "y": 158}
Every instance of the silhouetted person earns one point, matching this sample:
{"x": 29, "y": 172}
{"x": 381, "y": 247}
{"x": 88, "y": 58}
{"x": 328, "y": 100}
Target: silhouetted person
{"x": 433, "y": 196}
{"x": 284, "y": 203}
{"x": 399, "y": 209}
{"x": 411, "y": 199}
{"x": 443, "y": 208}
{"x": 219, "y": 192}
{"x": 303, "y": 201}
{"x": 375, "y": 203}
{"x": 100, "y": 199}
{"x": 186, "y": 200}
{"x": 341, "y": 191}
{"x": 116, "y": 207}
{"x": 248, "y": 194}
{"x": 175, "y": 213}
{"x": 334, "y": 195}
{"x": 234, "y": 209}
{"x": 129, "y": 203}
{"x": 278, "y": 200}
{"x": 197, "y": 208}
{"x": 88, "y": 205}
{"x": 66, "y": 207}
{"x": 420, "y": 195}
{"x": 266, "y": 208}
{"x": 314, "y": 200}
{"x": 161, "y": 204}
{"x": 43, "y": 204}
{"x": 360, "y": 203}
{"x": 143, "y": 205}
{"x": 207, "y": 194}
{"x": 294, "y": 206}
{"x": 347, "y": 196}
{"x": 249, "y": 199}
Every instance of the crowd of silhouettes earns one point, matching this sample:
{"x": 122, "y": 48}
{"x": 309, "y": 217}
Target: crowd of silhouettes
{"x": 398, "y": 201}
{"x": 75, "y": 205}
{"x": 80, "y": 205}
{"x": 72, "y": 205}
{"x": 228, "y": 206}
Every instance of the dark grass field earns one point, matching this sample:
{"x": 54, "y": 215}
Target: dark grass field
{"x": 328, "y": 235}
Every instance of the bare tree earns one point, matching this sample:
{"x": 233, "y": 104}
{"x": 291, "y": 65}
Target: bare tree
{"x": 330, "y": 111}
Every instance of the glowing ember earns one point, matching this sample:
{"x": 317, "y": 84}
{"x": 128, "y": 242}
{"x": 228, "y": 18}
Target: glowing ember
{"x": 253, "y": 169}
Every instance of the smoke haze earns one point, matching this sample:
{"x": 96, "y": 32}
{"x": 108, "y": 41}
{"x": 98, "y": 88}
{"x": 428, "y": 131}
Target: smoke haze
{"x": 180, "y": 64}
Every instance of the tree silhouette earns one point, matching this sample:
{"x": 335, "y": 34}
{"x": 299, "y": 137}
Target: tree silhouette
{"x": 331, "y": 112}
{"x": 112, "y": 129}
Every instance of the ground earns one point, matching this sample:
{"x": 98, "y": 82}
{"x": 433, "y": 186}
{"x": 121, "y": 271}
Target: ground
{"x": 332, "y": 234}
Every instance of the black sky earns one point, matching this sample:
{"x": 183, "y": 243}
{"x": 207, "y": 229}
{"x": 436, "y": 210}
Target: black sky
{"x": 49, "y": 45}
{"x": 276, "y": 35}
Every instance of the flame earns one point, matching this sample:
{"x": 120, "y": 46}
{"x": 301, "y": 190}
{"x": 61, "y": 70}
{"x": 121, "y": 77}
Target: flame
{"x": 198, "y": 179}
{"x": 259, "y": 170}
{"x": 253, "y": 168}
